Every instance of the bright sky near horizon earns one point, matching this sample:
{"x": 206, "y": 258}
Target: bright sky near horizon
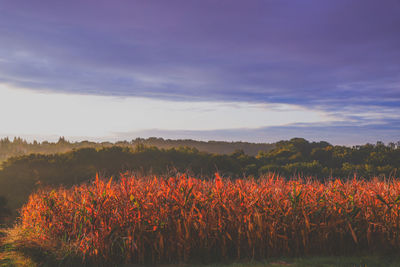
{"x": 261, "y": 70}
{"x": 49, "y": 113}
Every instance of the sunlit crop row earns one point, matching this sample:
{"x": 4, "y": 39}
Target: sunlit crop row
{"x": 180, "y": 219}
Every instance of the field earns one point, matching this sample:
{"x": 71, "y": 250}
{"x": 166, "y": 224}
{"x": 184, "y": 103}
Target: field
{"x": 148, "y": 220}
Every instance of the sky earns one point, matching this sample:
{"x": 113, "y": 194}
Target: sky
{"x": 258, "y": 71}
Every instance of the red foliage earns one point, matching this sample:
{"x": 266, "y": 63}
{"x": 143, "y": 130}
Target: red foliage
{"x": 182, "y": 218}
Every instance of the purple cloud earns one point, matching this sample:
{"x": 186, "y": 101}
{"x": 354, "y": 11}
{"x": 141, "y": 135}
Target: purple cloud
{"x": 331, "y": 55}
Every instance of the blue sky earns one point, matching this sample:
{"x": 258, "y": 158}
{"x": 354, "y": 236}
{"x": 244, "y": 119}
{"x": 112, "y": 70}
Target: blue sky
{"x": 223, "y": 70}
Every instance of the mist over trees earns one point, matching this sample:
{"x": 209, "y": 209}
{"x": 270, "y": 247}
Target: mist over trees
{"x": 19, "y": 146}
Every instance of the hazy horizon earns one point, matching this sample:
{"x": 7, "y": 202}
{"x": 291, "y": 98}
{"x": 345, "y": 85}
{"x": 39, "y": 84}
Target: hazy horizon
{"x": 169, "y": 136}
{"x": 259, "y": 71}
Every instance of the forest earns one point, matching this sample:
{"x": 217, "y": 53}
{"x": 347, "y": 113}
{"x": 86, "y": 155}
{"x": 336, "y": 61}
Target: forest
{"x": 18, "y": 146}
{"x": 22, "y": 175}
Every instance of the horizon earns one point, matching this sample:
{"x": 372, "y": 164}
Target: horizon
{"x": 257, "y": 72}
{"x": 55, "y": 139}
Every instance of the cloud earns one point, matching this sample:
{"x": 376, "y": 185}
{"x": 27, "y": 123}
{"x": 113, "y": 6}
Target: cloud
{"x": 48, "y": 115}
{"x": 74, "y": 115}
{"x": 260, "y": 51}
{"x": 337, "y": 57}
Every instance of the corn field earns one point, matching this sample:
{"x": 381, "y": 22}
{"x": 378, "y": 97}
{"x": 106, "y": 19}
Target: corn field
{"x": 184, "y": 219}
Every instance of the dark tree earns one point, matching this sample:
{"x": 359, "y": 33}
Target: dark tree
{"x": 4, "y": 211}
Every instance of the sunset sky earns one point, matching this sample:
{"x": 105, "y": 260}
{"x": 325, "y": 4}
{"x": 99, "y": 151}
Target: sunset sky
{"x": 258, "y": 71}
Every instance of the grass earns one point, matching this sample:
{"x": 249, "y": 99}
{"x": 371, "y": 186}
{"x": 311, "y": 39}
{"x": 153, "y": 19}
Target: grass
{"x": 16, "y": 250}
{"x": 11, "y": 253}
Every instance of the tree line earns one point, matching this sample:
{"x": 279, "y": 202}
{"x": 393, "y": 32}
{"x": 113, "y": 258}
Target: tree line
{"x": 18, "y": 146}
{"x": 21, "y": 175}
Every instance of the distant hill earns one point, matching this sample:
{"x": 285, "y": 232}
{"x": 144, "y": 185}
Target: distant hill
{"x": 217, "y": 147}
{"x": 19, "y": 146}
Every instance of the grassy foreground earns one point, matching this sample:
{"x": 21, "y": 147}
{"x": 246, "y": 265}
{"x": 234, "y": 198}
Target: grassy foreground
{"x": 16, "y": 250}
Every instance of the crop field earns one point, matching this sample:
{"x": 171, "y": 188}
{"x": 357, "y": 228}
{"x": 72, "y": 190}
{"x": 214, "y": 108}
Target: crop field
{"x": 183, "y": 219}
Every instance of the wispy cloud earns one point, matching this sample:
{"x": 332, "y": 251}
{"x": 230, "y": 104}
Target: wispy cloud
{"x": 336, "y": 57}
{"x": 27, "y": 112}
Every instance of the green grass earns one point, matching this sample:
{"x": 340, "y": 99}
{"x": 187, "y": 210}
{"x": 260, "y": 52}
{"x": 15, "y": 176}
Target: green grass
{"x": 17, "y": 251}
{"x": 9, "y": 254}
